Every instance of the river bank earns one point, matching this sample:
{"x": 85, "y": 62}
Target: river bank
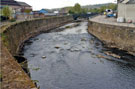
{"x": 113, "y": 34}
{"x": 80, "y": 45}
{"x": 72, "y": 58}
{"x": 12, "y": 37}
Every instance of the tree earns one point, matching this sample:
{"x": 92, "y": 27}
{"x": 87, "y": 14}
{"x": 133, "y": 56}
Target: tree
{"x": 71, "y": 12}
{"x": 84, "y": 10}
{"x": 112, "y": 6}
{"x": 6, "y": 11}
{"x": 103, "y": 8}
{"x": 77, "y": 8}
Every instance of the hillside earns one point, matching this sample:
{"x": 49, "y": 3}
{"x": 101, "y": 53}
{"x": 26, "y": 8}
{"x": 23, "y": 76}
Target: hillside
{"x": 96, "y": 5}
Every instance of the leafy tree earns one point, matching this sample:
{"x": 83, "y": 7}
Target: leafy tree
{"x": 95, "y": 10}
{"x": 6, "y": 11}
{"x": 71, "y": 12}
{"x": 112, "y": 6}
{"x": 103, "y": 8}
{"x": 77, "y": 8}
{"x": 84, "y": 10}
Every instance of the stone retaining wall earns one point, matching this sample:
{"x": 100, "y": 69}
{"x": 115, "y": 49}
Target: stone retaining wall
{"x": 13, "y": 36}
{"x": 114, "y": 36}
{"x": 17, "y": 33}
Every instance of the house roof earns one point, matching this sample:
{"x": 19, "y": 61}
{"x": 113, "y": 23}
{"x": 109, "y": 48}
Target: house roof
{"x": 47, "y": 10}
{"x": 23, "y": 4}
{"x": 9, "y": 2}
{"x": 14, "y": 3}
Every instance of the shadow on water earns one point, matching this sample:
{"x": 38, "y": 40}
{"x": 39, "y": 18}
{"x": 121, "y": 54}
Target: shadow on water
{"x": 122, "y": 55}
{"x": 24, "y": 63}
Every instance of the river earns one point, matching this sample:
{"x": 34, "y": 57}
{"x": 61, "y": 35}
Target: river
{"x": 74, "y": 59}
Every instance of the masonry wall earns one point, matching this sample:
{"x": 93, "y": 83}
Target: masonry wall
{"x": 16, "y": 34}
{"x": 114, "y": 36}
{"x": 12, "y": 38}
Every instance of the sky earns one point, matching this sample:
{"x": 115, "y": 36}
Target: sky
{"x": 50, "y": 4}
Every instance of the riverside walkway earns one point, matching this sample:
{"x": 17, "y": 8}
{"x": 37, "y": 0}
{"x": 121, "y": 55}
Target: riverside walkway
{"x": 110, "y": 21}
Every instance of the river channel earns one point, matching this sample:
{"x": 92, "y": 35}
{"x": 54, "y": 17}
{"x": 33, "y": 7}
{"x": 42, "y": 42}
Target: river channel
{"x": 71, "y": 58}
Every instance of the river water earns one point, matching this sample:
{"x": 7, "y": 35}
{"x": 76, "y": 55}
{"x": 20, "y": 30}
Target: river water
{"x": 74, "y": 59}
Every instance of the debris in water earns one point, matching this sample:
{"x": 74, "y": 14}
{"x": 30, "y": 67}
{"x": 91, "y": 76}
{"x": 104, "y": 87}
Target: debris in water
{"x": 112, "y": 54}
{"x": 68, "y": 27}
{"x": 65, "y": 43}
{"x": 57, "y": 47}
{"x": 43, "y": 57}
{"x": 83, "y": 39}
{"x": 74, "y": 49}
{"x": 36, "y": 69}
{"x": 100, "y": 56}
{"x": 35, "y": 81}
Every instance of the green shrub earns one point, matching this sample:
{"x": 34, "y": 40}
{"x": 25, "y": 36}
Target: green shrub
{"x": 12, "y": 20}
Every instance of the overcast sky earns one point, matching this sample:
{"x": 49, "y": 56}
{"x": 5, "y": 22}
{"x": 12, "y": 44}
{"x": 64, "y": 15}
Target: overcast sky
{"x": 39, "y": 4}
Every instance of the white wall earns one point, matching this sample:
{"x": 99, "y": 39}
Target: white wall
{"x": 127, "y": 11}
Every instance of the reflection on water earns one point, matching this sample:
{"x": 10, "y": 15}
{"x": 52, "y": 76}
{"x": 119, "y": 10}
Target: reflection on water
{"x": 74, "y": 59}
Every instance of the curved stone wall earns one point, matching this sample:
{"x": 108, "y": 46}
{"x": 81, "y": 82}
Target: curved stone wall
{"x": 12, "y": 37}
{"x": 114, "y": 36}
{"x": 17, "y": 33}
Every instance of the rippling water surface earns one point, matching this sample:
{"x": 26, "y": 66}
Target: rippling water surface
{"x": 74, "y": 59}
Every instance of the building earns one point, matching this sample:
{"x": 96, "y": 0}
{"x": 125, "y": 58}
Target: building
{"x": 63, "y": 11}
{"x": 47, "y": 12}
{"x": 20, "y": 10}
{"x": 25, "y": 7}
{"x": 44, "y": 11}
{"x": 38, "y": 14}
{"x": 126, "y": 10}
{"x": 12, "y": 4}
{"x": 16, "y": 6}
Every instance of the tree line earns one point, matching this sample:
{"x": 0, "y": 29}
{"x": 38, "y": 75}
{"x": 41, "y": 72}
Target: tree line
{"x": 77, "y": 9}
{"x": 103, "y": 8}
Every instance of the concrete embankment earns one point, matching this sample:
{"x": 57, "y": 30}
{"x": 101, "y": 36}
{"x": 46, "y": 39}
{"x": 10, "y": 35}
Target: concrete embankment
{"x": 114, "y": 35}
{"x": 13, "y": 36}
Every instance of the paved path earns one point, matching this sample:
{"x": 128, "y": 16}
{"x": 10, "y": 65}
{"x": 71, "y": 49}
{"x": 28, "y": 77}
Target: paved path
{"x": 110, "y": 21}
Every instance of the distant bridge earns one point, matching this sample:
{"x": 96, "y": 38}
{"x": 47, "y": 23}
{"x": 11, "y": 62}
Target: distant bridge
{"x": 76, "y": 16}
